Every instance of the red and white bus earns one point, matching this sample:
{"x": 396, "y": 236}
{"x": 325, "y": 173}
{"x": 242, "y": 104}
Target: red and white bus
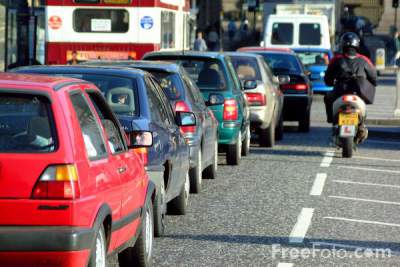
{"x": 80, "y": 30}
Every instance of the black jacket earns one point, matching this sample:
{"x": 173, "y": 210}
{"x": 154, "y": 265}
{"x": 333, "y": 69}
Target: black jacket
{"x": 343, "y": 67}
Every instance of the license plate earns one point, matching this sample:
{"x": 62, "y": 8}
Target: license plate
{"x": 347, "y": 131}
{"x": 348, "y": 119}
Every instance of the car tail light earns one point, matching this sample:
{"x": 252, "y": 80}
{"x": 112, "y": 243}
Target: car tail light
{"x": 57, "y": 182}
{"x": 256, "y": 99}
{"x": 297, "y": 87}
{"x": 230, "y": 110}
{"x": 142, "y": 152}
{"x": 349, "y": 98}
{"x": 182, "y": 106}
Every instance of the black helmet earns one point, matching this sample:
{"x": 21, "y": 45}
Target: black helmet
{"x": 350, "y": 39}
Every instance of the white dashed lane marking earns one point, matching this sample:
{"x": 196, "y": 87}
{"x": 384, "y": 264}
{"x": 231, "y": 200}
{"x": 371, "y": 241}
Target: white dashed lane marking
{"x": 361, "y": 221}
{"x": 285, "y": 264}
{"x": 318, "y": 185}
{"x": 301, "y": 227}
{"x": 370, "y": 169}
{"x": 366, "y": 184}
{"x": 366, "y": 200}
{"x": 327, "y": 160}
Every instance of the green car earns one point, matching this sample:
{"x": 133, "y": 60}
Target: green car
{"x": 217, "y": 80}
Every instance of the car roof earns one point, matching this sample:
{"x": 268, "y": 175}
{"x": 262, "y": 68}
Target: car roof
{"x": 187, "y": 54}
{"x": 242, "y": 54}
{"x": 34, "y": 81}
{"x": 266, "y": 49}
{"x": 154, "y": 65}
{"x": 106, "y": 70}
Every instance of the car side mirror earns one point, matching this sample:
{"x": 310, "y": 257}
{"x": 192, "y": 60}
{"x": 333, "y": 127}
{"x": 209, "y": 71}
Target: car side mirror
{"x": 284, "y": 79}
{"x": 185, "y": 118}
{"x": 249, "y": 85}
{"x": 215, "y": 99}
{"x": 139, "y": 139}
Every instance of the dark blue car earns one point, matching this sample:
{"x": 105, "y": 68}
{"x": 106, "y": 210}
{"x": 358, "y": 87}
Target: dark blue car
{"x": 316, "y": 61}
{"x": 147, "y": 117}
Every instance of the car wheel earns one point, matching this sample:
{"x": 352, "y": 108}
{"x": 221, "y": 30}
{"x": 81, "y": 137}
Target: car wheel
{"x": 246, "y": 142}
{"x": 160, "y": 210}
{"x": 234, "y": 151}
{"x": 178, "y": 206}
{"x": 304, "y": 124}
{"x": 279, "y": 129}
{"x": 267, "y": 136}
{"x": 99, "y": 251}
{"x": 196, "y": 174}
{"x": 141, "y": 253}
{"x": 211, "y": 171}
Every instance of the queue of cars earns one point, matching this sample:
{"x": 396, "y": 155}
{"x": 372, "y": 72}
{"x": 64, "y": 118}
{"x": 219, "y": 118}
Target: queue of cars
{"x": 87, "y": 195}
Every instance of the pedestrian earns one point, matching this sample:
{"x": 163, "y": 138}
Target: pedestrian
{"x": 397, "y": 42}
{"x": 244, "y": 28}
{"x": 213, "y": 39}
{"x": 200, "y": 43}
{"x": 231, "y": 29}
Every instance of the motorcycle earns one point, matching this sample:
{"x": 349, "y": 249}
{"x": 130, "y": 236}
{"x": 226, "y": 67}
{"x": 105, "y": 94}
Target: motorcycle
{"x": 349, "y": 113}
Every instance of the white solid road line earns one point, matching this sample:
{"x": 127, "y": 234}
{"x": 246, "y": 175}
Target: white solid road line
{"x": 366, "y": 200}
{"x": 299, "y": 231}
{"x": 285, "y": 264}
{"x": 383, "y": 142}
{"x": 381, "y": 159}
{"x": 327, "y": 160}
{"x": 369, "y": 169}
{"x": 369, "y": 184}
{"x": 318, "y": 185}
{"x": 362, "y": 221}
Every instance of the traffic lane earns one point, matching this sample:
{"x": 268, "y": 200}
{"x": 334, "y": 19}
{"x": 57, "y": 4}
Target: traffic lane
{"x": 238, "y": 216}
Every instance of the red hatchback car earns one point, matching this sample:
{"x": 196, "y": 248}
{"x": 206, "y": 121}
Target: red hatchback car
{"x": 71, "y": 191}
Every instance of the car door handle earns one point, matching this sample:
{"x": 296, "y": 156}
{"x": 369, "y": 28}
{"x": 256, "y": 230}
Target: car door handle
{"x": 122, "y": 169}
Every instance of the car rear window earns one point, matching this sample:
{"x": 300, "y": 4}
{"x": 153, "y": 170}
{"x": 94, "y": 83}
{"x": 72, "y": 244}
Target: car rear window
{"x": 282, "y": 63}
{"x": 246, "y": 68}
{"x": 313, "y": 58}
{"x": 282, "y": 33}
{"x": 101, "y": 20}
{"x": 310, "y": 34}
{"x": 170, "y": 83}
{"x": 26, "y": 124}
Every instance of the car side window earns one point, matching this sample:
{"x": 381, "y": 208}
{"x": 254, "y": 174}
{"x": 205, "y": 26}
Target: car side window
{"x": 165, "y": 102}
{"x": 155, "y": 105}
{"x": 91, "y": 132}
{"x": 109, "y": 122}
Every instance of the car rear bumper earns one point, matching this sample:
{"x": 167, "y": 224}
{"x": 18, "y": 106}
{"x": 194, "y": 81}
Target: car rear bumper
{"x": 259, "y": 117}
{"x": 228, "y": 132}
{"x": 295, "y": 107}
{"x": 45, "y": 245}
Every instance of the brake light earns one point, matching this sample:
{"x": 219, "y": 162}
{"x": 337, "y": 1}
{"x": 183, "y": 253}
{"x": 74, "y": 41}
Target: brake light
{"x": 183, "y": 107}
{"x": 142, "y": 152}
{"x": 256, "y": 99}
{"x": 230, "y": 110}
{"x": 57, "y": 182}
{"x": 297, "y": 86}
{"x": 349, "y": 98}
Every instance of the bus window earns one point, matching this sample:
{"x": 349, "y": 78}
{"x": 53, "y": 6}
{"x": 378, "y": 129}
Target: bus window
{"x": 310, "y": 34}
{"x": 101, "y": 20}
{"x": 282, "y": 34}
{"x": 167, "y": 29}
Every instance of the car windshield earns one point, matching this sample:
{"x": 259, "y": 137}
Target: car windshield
{"x": 246, "y": 68}
{"x": 282, "y": 63}
{"x": 26, "y": 124}
{"x": 313, "y": 58}
{"x": 120, "y": 93}
{"x": 170, "y": 83}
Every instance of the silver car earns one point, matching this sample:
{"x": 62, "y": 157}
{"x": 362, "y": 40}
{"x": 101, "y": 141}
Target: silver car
{"x": 264, "y": 97}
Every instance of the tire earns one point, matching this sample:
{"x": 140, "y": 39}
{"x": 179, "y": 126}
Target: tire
{"x": 347, "y": 147}
{"x": 99, "y": 252}
{"x": 211, "y": 171}
{"x": 267, "y": 136}
{"x": 196, "y": 174}
{"x": 246, "y": 142}
{"x": 160, "y": 211}
{"x": 234, "y": 151}
{"x": 304, "y": 124}
{"x": 279, "y": 129}
{"x": 141, "y": 253}
{"x": 178, "y": 206}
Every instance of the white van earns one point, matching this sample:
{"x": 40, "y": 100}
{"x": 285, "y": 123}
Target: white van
{"x": 297, "y": 31}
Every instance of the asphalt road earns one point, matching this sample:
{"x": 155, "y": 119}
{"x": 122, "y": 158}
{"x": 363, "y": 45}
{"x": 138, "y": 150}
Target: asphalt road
{"x": 298, "y": 204}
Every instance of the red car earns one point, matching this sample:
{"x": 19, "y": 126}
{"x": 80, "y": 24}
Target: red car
{"x": 71, "y": 190}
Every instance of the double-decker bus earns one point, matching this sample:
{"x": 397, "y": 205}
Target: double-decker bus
{"x": 81, "y": 30}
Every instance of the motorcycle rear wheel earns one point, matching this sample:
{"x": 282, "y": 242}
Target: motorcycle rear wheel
{"x": 347, "y": 147}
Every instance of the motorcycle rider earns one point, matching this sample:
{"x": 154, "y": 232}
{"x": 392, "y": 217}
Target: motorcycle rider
{"x": 344, "y": 66}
